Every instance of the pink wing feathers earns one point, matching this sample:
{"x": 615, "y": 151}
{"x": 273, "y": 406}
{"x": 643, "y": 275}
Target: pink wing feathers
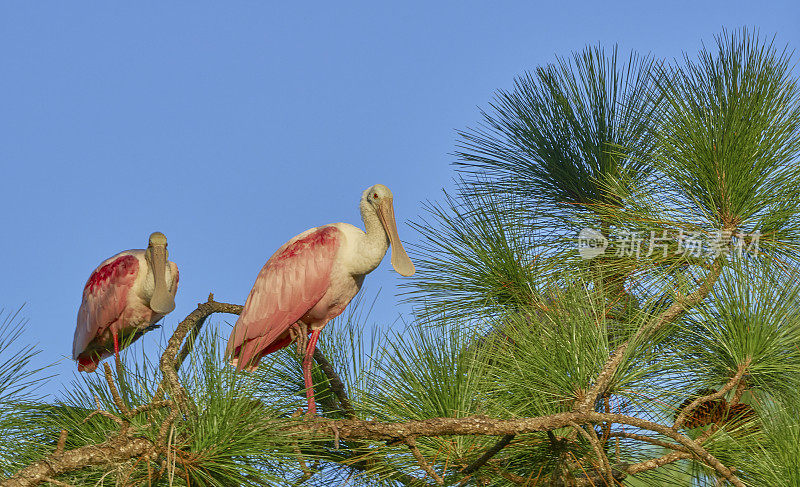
{"x": 292, "y": 281}
{"x": 105, "y": 297}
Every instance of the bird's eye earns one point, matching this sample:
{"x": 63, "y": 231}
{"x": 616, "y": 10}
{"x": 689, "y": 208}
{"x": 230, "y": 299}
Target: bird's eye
{"x": 375, "y": 195}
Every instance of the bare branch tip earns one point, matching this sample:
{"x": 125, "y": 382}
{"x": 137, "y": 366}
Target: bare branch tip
{"x": 411, "y": 441}
{"x": 114, "y": 392}
{"x": 62, "y": 442}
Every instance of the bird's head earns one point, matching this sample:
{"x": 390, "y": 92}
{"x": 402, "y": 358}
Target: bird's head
{"x": 162, "y": 302}
{"x": 157, "y": 238}
{"x": 380, "y": 199}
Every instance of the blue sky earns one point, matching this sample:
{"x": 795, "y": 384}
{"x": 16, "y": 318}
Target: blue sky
{"x": 233, "y": 126}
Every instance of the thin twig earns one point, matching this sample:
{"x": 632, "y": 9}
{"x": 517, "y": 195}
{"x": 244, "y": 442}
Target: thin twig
{"x": 307, "y": 473}
{"x": 114, "y": 392}
{"x": 737, "y": 396}
{"x": 151, "y": 406}
{"x": 511, "y": 477}
{"x": 648, "y": 439}
{"x": 188, "y": 346}
{"x": 494, "y": 450}
{"x": 336, "y": 384}
{"x": 368, "y": 465}
{"x": 101, "y": 412}
{"x": 602, "y": 458}
{"x": 62, "y": 442}
{"x": 412, "y": 445}
{"x": 657, "y": 462}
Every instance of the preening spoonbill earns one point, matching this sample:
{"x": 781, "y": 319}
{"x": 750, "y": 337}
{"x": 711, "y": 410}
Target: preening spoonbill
{"x": 310, "y": 280}
{"x": 123, "y": 298}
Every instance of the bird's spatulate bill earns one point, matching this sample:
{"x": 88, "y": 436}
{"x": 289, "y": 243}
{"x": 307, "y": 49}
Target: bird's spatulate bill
{"x": 162, "y": 301}
{"x": 400, "y": 260}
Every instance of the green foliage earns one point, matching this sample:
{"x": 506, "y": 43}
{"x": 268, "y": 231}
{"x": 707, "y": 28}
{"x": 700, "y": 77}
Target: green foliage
{"x": 729, "y": 137}
{"x": 556, "y": 154}
{"x": 753, "y": 316}
{"x": 428, "y": 372}
{"x": 775, "y": 460}
{"x": 477, "y": 257}
{"x": 18, "y": 384}
{"x": 234, "y": 439}
{"x": 565, "y": 129}
{"x": 543, "y": 357}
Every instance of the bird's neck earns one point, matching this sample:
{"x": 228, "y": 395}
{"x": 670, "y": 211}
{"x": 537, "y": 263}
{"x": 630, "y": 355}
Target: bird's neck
{"x": 375, "y": 243}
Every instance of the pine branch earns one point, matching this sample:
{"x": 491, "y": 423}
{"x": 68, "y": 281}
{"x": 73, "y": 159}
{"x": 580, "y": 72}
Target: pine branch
{"x": 169, "y": 363}
{"x": 647, "y": 439}
{"x": 605, "y": 376}
{"x": 336, "y": 384}
{"x": 110, "y": 453}
{"x": 483, "y": 425}
{"x": 602, "y": 458}
{"x": 687, "y": 411}
{"x": 412, "y": 444}
{"x": 494, "y": 450}
{"x": 194, "y": 332}
{"x": 125, "y": 446}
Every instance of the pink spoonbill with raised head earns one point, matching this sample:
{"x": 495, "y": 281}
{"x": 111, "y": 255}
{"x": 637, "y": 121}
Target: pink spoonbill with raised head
{"x": 310, "y": 280}
{"x": 124, "y": 297}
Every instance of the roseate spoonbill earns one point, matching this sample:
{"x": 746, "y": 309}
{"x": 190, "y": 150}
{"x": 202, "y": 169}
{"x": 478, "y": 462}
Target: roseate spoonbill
{"x": 124, "y": 297}
{"x": 310, "y": 280}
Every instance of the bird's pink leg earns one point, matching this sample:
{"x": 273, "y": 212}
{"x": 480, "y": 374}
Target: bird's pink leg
{"x": 116, "y": 345}
{"x": 308, "y": 360}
